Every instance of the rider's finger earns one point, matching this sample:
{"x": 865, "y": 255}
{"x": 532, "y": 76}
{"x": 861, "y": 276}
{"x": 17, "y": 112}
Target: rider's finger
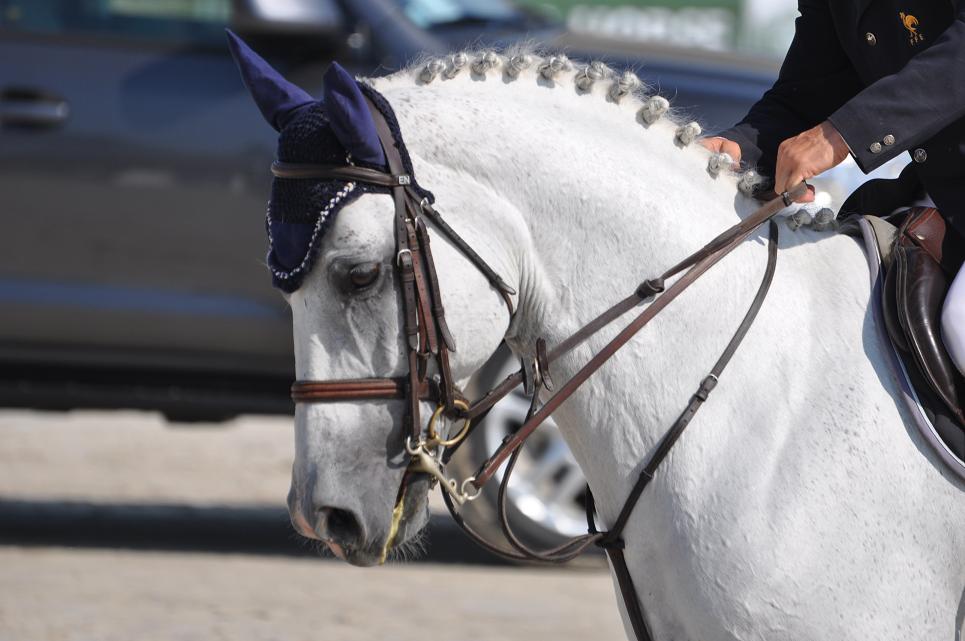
{"x": 732, "y": 149}
{"x": 712, "y": 144}
{"x": 787, "y": 173}
{"x": 718, "y": 145}
{"x": 781, "y": 178}
{"x": 796, "y": 178}
{"x": 808, "y": 196}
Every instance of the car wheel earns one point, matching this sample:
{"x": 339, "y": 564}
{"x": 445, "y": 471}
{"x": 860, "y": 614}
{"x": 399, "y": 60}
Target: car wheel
{"x": 546, "y": 493}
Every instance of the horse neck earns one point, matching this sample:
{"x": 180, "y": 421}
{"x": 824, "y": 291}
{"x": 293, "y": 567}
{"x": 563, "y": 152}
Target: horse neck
{"x": 584, "y": 182}
{"x": 596, "y": 203}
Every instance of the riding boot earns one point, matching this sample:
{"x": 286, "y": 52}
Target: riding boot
{"x": 917, "y": 284}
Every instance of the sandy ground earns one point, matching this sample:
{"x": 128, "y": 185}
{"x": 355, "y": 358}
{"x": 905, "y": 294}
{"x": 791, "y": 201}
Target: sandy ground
{"x": 139, "y": 457}
{"x": 53, "y": 594}
{"x": 70, "y": 595}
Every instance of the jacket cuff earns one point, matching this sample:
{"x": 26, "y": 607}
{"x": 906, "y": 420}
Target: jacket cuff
{"x": 871, "y": 143}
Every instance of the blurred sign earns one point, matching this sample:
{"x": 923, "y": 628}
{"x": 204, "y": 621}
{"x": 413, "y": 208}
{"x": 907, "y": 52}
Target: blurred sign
{"x": 751, "y": 26}
{"x": 200, "y": 10}
{"x": 704, "y": 28}
{"x": 767, "y": 26}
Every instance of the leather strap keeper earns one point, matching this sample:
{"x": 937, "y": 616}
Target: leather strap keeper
{"x": 926, "y": 229}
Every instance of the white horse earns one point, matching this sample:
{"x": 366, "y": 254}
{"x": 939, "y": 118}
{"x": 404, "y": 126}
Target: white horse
{"x": 798, "y": 505}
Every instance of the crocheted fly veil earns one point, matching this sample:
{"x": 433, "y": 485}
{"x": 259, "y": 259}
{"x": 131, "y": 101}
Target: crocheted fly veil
{"x": 337, "y": 130}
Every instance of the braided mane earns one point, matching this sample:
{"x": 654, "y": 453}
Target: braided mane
{"x": 521, "y": 63}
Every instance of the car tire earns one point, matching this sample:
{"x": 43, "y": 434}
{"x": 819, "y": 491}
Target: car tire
{"x": 545, "y": 501}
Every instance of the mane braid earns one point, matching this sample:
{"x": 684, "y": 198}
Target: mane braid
{"x": 520, "y": 63}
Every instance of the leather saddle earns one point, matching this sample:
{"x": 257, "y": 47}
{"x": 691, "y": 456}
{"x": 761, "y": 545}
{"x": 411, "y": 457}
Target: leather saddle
{"x": 917, "y": 279}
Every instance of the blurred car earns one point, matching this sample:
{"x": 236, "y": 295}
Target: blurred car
{"x": 134, "y": 174}
{"x": 133, "y": 169}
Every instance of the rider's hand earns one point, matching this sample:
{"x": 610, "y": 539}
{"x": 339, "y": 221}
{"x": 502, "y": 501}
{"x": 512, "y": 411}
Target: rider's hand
{"x": 807, "y": 155}
{"x": 722, "y": 145}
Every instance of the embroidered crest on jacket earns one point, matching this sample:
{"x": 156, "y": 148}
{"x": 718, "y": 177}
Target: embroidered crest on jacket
{"x": 910, "y": 23}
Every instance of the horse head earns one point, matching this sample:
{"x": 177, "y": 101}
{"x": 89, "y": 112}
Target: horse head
{"x": 333, "y": 253}
{"x": 572, "y": 183}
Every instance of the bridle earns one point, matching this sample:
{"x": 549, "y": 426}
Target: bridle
{"x": 428, "y": 339}
{"x": 426, "y": 332}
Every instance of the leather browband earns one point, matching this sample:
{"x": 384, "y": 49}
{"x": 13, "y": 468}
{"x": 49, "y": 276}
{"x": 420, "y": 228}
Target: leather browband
{"x": 299, "y": 171}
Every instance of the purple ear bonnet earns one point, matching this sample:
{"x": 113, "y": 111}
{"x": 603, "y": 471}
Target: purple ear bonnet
{"x": 335, "y": 131}
{"x": 277, "y": 98}
{"x": 350, "y": 117}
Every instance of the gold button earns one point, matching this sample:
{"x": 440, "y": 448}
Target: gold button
{"x": 920, "y": 155}
{"x": 889, "y": 140}
{"x": 875, "y": 148}
{"x": 870, "y": 39}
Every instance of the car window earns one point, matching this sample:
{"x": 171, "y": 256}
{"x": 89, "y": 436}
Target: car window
{"x": 182, "y": 21}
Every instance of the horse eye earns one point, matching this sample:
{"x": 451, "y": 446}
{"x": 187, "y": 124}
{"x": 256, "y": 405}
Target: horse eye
{"x": 364, "y": 275}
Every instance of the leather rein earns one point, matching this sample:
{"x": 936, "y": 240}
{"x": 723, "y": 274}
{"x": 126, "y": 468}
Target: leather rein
{"x": 428, "y": 338}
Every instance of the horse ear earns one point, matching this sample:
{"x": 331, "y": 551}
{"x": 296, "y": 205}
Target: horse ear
{"x": 350, "y": 117}
{"x": 277, "y": 98}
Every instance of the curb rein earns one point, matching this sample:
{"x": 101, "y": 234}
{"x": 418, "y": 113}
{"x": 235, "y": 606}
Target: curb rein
{"x": 428, "y": 337}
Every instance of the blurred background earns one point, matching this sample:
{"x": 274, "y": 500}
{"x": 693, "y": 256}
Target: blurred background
{"x": 145, "y": 360}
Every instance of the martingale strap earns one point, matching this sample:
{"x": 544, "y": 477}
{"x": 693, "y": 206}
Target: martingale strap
{"x": 611, "y": 541}
{"x": 696, "y": 265}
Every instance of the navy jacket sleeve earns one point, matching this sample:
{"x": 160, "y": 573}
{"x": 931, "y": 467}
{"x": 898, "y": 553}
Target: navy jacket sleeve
{"x": 912, "y": 105}
{"x": 816, "y": 79}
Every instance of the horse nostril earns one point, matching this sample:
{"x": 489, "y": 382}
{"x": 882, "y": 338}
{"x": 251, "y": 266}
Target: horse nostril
{"x": 340, "y": 525}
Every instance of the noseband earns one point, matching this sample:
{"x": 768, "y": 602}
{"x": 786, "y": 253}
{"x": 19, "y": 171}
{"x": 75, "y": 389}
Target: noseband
{"x": 428, "y": 338}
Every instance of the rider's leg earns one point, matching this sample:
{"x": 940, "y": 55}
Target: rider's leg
{"x": 953, "y": 321}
